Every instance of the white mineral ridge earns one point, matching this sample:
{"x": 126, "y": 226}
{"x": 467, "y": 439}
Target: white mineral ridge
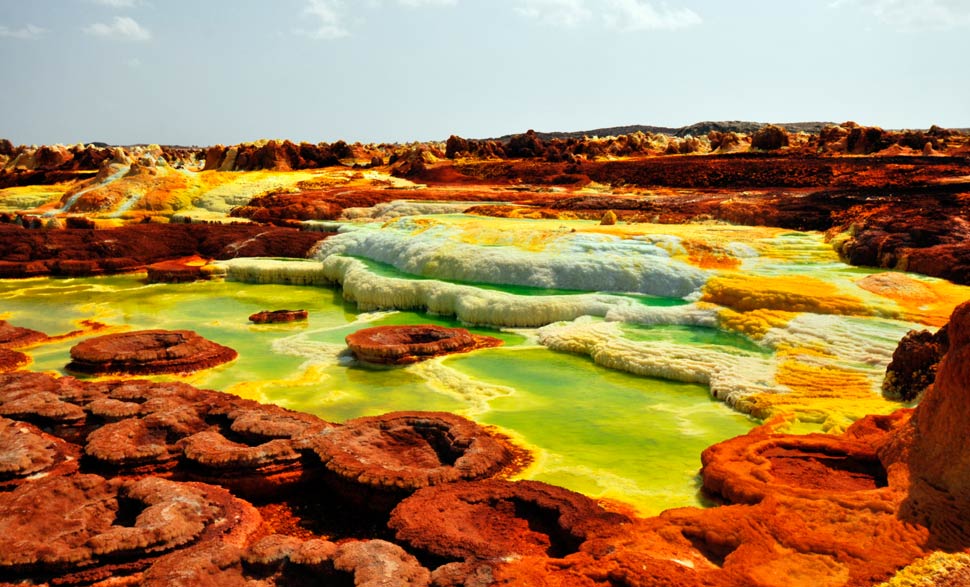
{"x": 731, "y": 376}
{"x": 578, "y": 261}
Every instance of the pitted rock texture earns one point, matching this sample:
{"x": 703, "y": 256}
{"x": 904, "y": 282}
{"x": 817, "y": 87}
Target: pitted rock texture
{"x": 395, "y": 454}
{"x": 398, "y": 345}
{"x": 143, "y": 352}
{"x": 66, "y": 523}
{"x": 278, "y": 316}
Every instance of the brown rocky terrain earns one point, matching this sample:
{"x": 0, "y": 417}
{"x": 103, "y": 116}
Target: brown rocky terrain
{"x": 180, "y": 482}
{"x": 79, "y": 252}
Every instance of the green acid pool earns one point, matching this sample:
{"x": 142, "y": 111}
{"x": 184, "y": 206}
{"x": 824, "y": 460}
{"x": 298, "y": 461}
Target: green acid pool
{"x": 601, "y": 432}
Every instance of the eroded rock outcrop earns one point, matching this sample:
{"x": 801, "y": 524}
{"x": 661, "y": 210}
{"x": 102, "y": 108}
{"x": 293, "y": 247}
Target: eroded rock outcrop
{"x": 145, "y": 352}
{"x": 398, "y": 345}
{"x": 934, "y": 447}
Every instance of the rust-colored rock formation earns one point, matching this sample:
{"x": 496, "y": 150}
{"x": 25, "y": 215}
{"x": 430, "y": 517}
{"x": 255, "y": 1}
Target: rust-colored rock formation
{"x": 79, "y": 529}
{"x": 914, "y": 364}
{"x": 935, "y": 448}
{"x": 81, "y": 252}
{"x": 28, "y": 451}
{"x": 398, "y": 345}
{"x": 500, "y": 519}
{"x": 12, "y": 360}
{"x": 16, "y": 337}
{"x": 384, "y": 458}
{"x": 146, "y": 352}
{"x": 278, "y": 316}
{"x": 275, "y": 155}
{"x": 848, "y": 510}
{"x": 181, "y": 270}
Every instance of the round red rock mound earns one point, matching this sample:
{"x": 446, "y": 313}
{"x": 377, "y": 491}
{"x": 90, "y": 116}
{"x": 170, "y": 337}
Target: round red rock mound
{"x": 394, "y": 454}
{"x": 148, "y": 351}
{"x": 398, "y": 345}
{"x": 278, "y": 316}
{"x": 497, "y": 518}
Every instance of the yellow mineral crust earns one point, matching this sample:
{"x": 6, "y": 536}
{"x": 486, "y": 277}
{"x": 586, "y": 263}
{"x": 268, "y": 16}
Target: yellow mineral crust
{"x": 789, "y": 293}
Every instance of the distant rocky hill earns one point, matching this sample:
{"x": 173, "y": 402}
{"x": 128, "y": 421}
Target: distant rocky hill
{"x": 697, "y": 129}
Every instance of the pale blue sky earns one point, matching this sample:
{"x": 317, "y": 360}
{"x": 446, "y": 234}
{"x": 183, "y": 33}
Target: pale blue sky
{"x": 220, "y": 71}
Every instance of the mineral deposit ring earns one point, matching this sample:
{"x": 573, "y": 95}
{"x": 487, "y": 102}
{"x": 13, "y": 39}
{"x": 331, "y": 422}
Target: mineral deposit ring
{"x": 145, "y": 352}
{"x": 394, "y": 454}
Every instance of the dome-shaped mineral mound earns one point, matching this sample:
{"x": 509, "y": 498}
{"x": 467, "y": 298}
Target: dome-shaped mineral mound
{"x": 497, "y": 518}
{"x": 145, "y": 352}
{"x": 398, "y": 345}
{"x": 394, "y": 454}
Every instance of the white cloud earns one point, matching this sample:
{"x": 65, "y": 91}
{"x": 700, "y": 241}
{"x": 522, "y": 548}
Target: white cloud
{"x": 915, "y": 15}
{"x": 625, "y": 15}
{"x": 637, "y": 15}
{"x": 122, "y": 28}
{"x": 117, "y": 3}
{"x": 29, "y": 32}
{"x": 329, "y": 19}
{"x": 562, "y": 13}
{"x": 420, "y": 3}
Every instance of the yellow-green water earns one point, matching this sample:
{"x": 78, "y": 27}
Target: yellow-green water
{"x": 600, "y": 432}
